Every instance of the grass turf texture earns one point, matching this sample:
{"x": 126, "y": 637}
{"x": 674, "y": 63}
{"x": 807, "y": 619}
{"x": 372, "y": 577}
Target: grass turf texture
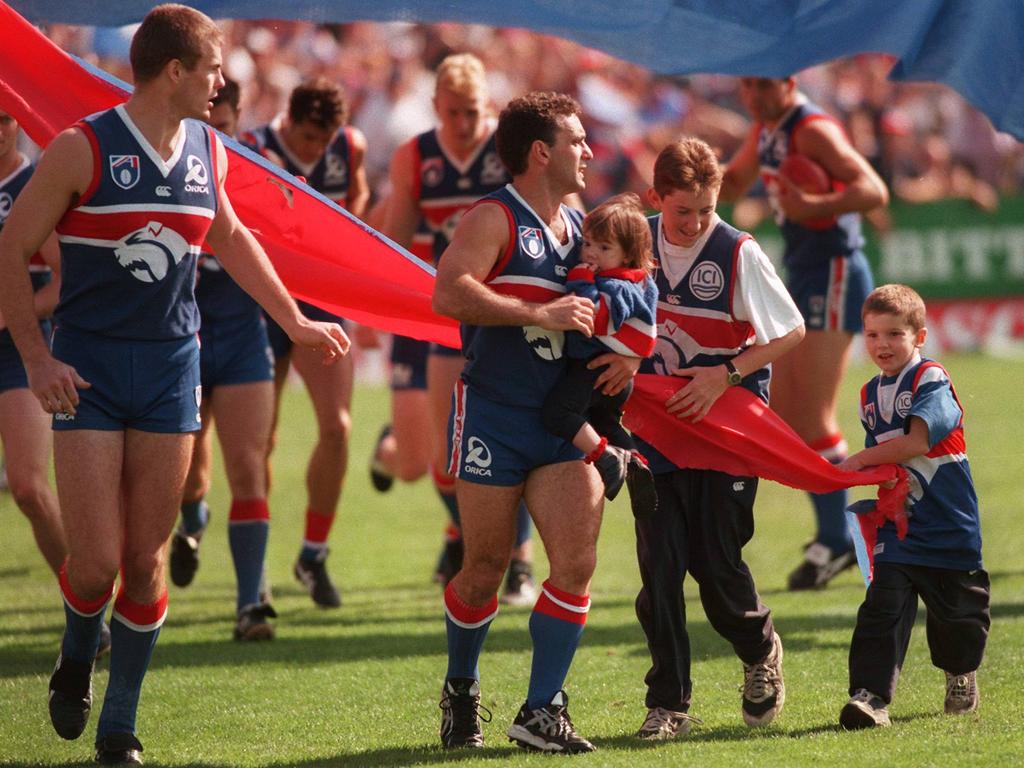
{"x": 359, "y": 686}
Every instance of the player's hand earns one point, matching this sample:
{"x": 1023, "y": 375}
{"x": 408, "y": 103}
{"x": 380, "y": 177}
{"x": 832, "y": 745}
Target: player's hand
{"x": 620, "y": 371}
{"x": 568, "y": 313}
{"x": 694, "y": 400}
{"x": 851, "y": 464}
{"x": 327, "y": 338}
{"x": 55, "y": 384}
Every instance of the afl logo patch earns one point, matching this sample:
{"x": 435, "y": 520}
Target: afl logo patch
{"x": 707, "y": 281}
{"x": 125, "y": 170}
{"x": 869, "y": 415}
{"x": 903, "y": 402}
{"x": 432, "y": 171}
{"x": 531, "y": 242}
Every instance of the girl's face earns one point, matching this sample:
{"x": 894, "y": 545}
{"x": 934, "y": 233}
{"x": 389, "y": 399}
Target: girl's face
{"x": 603, "y": 254}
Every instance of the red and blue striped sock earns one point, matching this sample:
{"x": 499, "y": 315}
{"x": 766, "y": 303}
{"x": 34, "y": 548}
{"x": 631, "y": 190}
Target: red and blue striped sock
{"x": 556, "y": 626}
{"x": 133, "y": 633}
{"x": 445, "y": 487}
{"x": 467, "y": 629}
{"x": 830, "y": 508}
{"x": 318, "y": 528}
{"x": 84, "y": 618}
{"x": 248, "y": 529}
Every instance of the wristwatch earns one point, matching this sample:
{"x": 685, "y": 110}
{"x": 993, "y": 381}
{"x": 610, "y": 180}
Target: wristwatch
{"x": 734, "y": 376}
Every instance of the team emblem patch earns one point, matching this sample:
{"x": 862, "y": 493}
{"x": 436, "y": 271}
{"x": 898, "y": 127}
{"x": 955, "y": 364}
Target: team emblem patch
{"x": 531, "y": 242}
{"x": 869, "y": 415}
{"x": 432, "y": 171}
{"x": 903, "y": 403}
{"x": 6, "y": 201}
{"x": 707, "y": 281}
{"x": 125, "y": 170}
{"x": 151, "y": 252}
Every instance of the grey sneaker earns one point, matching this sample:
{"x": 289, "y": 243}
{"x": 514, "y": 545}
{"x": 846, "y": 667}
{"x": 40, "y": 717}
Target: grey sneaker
{"x": 764, "y": 691}
{"x": 864, "y": 710}
{"x": 962, "y": 693}
{"x": 664, "y": 724}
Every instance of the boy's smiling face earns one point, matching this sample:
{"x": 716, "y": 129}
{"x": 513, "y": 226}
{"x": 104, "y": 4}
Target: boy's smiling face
{"x": 890, "y": 341}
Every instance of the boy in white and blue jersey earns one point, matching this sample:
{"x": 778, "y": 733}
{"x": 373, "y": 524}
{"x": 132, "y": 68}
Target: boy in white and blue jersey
{"x": 913, "y": 417}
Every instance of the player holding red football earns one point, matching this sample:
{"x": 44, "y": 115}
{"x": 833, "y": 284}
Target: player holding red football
{"x": 827, "y": 275}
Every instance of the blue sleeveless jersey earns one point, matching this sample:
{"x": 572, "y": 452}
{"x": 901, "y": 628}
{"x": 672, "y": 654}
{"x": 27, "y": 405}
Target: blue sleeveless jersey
{"x": 129, "y": 246}
{"x": 10, "y": 188}
{"x": 329, "y": 175}
{"x": 804, "y": 247}
{"x": 695, "y": 321}
{"x": 446, "y": 188}
{"x": 944, "y": 529}
{"x": 510, "y": 364}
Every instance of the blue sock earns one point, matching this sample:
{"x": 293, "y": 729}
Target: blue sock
{"x": 830, "y": 509}
{"x": 523, "y": 524}
{"x": 451, "y": 504}
{"x": 556, "y": 626}
{"x": 133, "y": 633}
{"x": 248, "y": 529}
{"x": 194, "y": 516}
{"x": 83, "y": 620}
{"x": 467, "y": 627}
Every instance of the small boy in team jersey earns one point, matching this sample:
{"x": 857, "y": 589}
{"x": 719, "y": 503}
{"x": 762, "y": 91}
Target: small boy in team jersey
{"x": 913, "y": 417}
{"x": 614, "y": 273}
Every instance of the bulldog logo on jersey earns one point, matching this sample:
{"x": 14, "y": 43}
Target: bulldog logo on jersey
{"x": 150, "y": 253}
{"x": 531, "y": 242}
{"x": 547, "y": 345}
{"x": 870, "y": 418}
{"x": 125, "y": 170}
{"x": 432, "y": 171}
{"x": 707, "y": 281}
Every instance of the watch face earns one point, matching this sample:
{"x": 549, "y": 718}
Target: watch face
{"x": 735, "y": 378}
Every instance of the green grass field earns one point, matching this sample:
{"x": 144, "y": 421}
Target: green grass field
{"x": 359, "y": 686}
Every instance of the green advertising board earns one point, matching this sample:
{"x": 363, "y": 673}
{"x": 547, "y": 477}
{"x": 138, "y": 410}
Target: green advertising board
{"x": 945, "y": 250}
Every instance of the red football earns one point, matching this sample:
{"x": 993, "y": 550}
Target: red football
{"x": 810, "y": 177}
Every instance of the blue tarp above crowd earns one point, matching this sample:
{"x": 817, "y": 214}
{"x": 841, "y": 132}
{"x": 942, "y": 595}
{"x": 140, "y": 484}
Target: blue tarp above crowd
{"x": 976, "y": 47}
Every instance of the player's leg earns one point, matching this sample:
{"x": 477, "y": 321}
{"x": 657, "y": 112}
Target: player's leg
{"x": 195, "y": 515}
{"x": 405, "y": 448}
{"x": 89, "y": 493}
{"x": 25, "y": 431}
{"x": 565, "y": 500}
{"x": 330, "y": 390}
{"x": 244, "y": 413}
{"x": 155, "y": 466}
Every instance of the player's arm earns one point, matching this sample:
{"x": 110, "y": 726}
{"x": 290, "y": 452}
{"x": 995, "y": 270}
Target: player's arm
{"x": 246, "y": 262}
{"x": 358, "y": 187}
{"x": 480, "y": 239}
{"x": 862, "y": 188}
{"x": 741, "y": 171}
{"x": 402, "y": 214}
{"x": 895, "y": 451}
{"x": 63, "y": 174}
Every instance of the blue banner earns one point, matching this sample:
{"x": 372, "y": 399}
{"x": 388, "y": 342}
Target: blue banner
{"x": 975, "y": 47}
